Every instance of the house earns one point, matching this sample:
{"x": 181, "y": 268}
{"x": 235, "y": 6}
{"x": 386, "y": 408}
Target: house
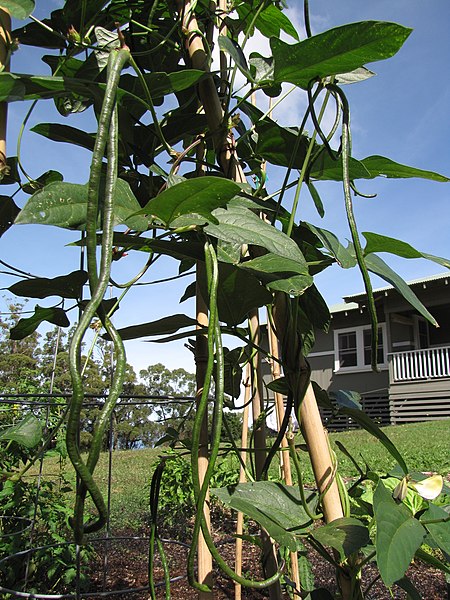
{"x": 413, "y": 356}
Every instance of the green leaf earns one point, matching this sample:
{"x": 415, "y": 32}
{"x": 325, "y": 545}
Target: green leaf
{"x": 346, "y": 399}
{"x": 366, "y": 423}
{"x": 8, "y": 212}
{"x": 440, "y": 532}
{"x": 199, "y": 196}
{"x": 58, "y": 132}
{"x": 379, "y": 165}
{"x": 232, "y": 48}
{"x": 433, "y": 561}
{"x": 382, "y": 243}
{"x": 334, "y": 246}
{"x": 339, "y": 50}
{"x": 306, "y": 573}
{"x": 398, "y": 536}
{"x": 27, "y": 432}
{"x": 162, "y": 84}
{"x": 270, "y": 269}
{"x": 241, "y": 226}
{"x": 355, "y": 76}
{"x": 66, "y": 286}
{"x": 238, "y": 293}
{"x": 315, "y": 308}
{"x": 275, "y": 506}
{"x": 43, "y": 180}
{"x": 64, "y": 205}
{"x": 407, "y": 585}
{"x": 272, "y": 20}
{"x": 25, "y": 327}
{"x": 15, "y": 87}
{"x": 162, "y": 326}
{"x": 325, "y": 168}
{"x": 279, "y": 385}
{"x": 376, "y": 265}
{"x": 346, "y": 535}
{"x": 316, "y": 199}
{"x": 19, "y": 9}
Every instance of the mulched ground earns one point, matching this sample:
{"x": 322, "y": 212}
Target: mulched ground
{"x": 126, "y": 568}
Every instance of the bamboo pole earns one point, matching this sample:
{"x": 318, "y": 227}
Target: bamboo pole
{"x": 269, "y": 560}
{"x": 201, "y": 358}
{"x": 286, "y": 472}
{"x": 5, "y": 38}
{"x": 242, "y": 479}
{"x": 223, "y": 143}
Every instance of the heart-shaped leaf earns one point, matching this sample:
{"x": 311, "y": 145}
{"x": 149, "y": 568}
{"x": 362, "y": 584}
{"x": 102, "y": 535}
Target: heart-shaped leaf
{"x": 398, "y": 536}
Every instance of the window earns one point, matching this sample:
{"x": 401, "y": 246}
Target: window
{"x": 352, "y": 348}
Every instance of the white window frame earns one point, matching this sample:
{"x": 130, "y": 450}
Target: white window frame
{"x": 360, "y": 366}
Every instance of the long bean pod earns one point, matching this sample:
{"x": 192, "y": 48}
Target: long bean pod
{"x": 98, "y": 284}
{"x": 346, "y": 154}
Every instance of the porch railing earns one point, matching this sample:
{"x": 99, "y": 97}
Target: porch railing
{"x": 431, "y": 363}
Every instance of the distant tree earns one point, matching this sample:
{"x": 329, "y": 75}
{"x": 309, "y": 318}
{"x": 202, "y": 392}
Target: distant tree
{"x": 19, "y": 369}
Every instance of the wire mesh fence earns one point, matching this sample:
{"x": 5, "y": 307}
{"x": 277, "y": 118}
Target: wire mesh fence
{"x": 38, "y": 558}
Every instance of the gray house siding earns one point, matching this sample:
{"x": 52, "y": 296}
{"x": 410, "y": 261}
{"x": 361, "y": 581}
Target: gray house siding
{"x": 416, "y": 386}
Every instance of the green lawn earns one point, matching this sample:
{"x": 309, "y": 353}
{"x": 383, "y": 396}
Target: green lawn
{"x": 424, "y": 446}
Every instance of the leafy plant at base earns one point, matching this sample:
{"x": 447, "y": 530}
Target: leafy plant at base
{"x": 37, "y": 513}
{"x": 201, "y": 218}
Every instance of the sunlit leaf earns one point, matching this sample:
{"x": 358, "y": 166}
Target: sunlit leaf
{"x": 438, "y": 525}
{"x": 325, "y": 168}
{"x": 338, "y": 50}
{"x": 275, "y": 506}
{"x": 398, "y": 535}
{"x": 232, "y": 48}
{"x": 343, "y": 257}
{"x": 199, "y": 196}
{"x": 379, "y": 165}
{"x": 27, "y": 432}
{"x": 360, "y": 74}
{"x": 64, "y": 205}
{"x": 25, "y": 327}
{"x": 19, "y": 9}
{"x": 382, "y": 243}
{"x": 242, "y": 226}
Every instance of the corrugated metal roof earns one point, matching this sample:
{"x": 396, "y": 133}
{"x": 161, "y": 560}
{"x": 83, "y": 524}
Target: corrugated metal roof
{"x": 343, "y": 306}
{"x": 412, "y": 282}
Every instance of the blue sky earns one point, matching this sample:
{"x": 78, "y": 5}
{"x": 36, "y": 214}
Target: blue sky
{"x": 402, "y": 113}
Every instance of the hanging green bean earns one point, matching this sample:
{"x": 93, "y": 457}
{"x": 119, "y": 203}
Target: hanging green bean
{"x": 107, "y": 136}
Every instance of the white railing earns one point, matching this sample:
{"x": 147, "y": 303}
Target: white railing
{"x": 432, "y": 363}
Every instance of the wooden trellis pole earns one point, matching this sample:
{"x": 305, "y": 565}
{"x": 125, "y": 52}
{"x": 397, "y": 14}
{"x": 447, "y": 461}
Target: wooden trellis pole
{"x": 310, "y": 418}
{"x": 242, "y": 479}
{"x": 5, "y": 38}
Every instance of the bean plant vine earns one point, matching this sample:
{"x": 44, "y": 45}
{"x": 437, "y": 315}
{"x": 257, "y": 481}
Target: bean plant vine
{"x": 147, "y": 70}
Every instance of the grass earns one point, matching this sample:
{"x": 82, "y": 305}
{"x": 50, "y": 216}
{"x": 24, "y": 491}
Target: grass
{"x": 424, "y": 446}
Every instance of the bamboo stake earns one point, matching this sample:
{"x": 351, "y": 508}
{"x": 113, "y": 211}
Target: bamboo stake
{"x": 201, "y": 359}
{"x": 284, "y": 456}
{"x": 5, "y": 39}
{"x": 223, "y": 143}
{"x": 242, "y": 479}
{"x": 269, "y": 560}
